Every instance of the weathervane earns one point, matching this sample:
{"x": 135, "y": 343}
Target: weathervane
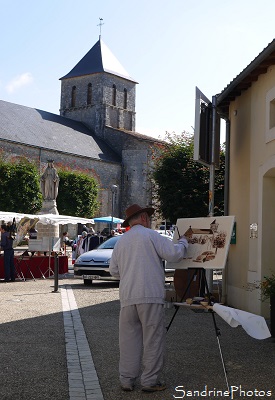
{"x": 100, "y": 25}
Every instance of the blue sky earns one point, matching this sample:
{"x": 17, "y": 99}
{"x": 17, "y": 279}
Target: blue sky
{"x": 169, "y": 47}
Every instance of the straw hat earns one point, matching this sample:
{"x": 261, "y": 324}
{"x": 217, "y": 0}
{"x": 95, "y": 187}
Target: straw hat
{"x": 136, "y": 209}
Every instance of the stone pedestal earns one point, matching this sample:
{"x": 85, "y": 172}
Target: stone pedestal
{"x": 51, "y": 231}
{"x": 48, "y": 207}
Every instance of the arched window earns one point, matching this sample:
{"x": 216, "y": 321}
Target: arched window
{"x": 73, "y": 96}
{"x": 89, "y": 94}
{"x": 114, "y": 96}
{"x": 125, "y": 99}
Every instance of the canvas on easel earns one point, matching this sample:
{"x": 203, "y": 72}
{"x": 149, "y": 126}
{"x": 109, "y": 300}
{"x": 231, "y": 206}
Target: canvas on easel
{"x": 208, "y": 240}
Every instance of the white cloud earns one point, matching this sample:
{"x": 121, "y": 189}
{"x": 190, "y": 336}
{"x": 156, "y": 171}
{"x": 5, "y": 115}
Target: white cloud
{"x": 19, "y": 81}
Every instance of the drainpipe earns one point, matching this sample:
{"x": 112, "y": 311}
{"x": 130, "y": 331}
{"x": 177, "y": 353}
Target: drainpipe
{"x": 227, "y": 165}
{"x": 226, "y": 198}
{"x": 209, "y": 273}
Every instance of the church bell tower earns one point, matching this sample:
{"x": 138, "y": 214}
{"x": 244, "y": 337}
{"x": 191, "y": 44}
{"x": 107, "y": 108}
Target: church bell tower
{"x": 99, "y": 92}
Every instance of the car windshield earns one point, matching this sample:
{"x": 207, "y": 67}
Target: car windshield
{"x": 109, "y": 243}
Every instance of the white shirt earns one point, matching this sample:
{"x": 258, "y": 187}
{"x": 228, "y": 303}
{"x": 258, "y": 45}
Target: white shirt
{"x": 137, "y": 262}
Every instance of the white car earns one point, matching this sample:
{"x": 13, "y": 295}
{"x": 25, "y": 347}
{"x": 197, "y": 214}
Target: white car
{"x": 94, "y": 264}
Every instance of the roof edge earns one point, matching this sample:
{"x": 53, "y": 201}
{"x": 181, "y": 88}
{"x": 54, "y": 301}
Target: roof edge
{"x": 128, "y": 78}
{"x": 260, "y": 58}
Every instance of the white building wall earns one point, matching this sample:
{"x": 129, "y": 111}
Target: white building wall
{"x": 252, "y": 193}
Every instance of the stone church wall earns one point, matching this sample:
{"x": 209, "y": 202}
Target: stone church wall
{"x": 89, "y": 114}
{"x": 112, "y": 118}
{"x": 121, "y": 84}
{"x": 136, "y": 156}
{"x": 128, "y": 121}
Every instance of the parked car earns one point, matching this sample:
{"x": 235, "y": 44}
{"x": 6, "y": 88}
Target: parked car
{"x": 94, "y": 264}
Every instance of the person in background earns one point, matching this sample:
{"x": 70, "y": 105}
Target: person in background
{"x": 112, "y": 234}
{"x": 65, "y": 241}
{"x": 91, "y": 241}
{"x": 85, "y": 229}
{"x": 6, "y": 245}
{"x": 33, "y": 233}
{"x": 79, "y": 243}
{"x": 137, "y": 261}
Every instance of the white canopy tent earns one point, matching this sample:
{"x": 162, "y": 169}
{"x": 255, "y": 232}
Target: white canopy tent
{"x": 52, "y": 219}
{"x": 25, "y": 221}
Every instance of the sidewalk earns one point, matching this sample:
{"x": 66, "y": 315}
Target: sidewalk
{"x": 64, "y": 345}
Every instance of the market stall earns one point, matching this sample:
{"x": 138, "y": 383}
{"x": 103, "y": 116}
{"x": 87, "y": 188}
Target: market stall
{"x": 38, "y": 262}
{"x": 34, "y": 267}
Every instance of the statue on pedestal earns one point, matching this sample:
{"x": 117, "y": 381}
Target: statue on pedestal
{"x": 49, "y": 182}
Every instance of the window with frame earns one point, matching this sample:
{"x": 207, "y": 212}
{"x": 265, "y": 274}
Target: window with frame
{"x": 270, "y": 115}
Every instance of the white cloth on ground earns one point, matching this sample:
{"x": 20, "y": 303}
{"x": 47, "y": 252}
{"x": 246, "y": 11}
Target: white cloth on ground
{"x": 254, "y": 325}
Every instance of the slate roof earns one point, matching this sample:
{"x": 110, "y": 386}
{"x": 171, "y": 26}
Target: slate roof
{"x": 141, "y": 136}
{"x": 42, "y": 129}
{"x": 245, "y": 79}
{"x": 98, "y": 59}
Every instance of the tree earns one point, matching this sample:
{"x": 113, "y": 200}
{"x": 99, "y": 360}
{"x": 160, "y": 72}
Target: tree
{"x": 19, "y": 186}
{"x": 182, "y": 184}
{"x": 77, "y": 194}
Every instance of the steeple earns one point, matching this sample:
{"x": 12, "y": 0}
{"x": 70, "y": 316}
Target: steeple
{"x": 99, "y": 92}
{"x": 99, "y": 59}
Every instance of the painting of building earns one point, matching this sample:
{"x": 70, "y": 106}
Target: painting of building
{"x": 208, "y": 242}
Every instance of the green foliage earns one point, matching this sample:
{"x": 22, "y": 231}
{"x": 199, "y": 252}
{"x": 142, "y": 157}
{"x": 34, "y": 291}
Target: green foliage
{"x": 77, "y": 194}
{"x": 20, "y": 190}
{"x": 267, "y": 287}
{"x": 182, "y": 185}
{"x": 19, "y": 187}
{"x": 219, "y": 185}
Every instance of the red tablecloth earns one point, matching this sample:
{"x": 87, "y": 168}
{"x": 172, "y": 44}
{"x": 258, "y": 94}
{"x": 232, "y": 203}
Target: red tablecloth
{"x": 29, "y": 267}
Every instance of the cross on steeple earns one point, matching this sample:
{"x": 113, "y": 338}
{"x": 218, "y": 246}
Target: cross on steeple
{"x": 100, "y": 25}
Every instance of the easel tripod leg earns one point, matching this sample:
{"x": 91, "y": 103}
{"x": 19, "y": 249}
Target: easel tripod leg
{"x": 184, "y": 294}
{"x": 217, "y": 330}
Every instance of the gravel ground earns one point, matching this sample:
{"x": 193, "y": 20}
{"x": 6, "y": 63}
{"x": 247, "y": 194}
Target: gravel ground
{"x": 33, "y": 358}
{"x": 193, "y": 358}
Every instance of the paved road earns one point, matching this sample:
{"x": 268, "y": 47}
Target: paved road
{"x": 44, "y": 335}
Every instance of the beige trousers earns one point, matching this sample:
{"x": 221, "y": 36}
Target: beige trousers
{"x": 141, "y": 342}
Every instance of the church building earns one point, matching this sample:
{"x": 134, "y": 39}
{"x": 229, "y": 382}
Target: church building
{"x": 94, "y": 133}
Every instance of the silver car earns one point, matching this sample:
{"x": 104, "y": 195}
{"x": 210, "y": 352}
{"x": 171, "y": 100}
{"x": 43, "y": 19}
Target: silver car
{"x": 94, "y": 264}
